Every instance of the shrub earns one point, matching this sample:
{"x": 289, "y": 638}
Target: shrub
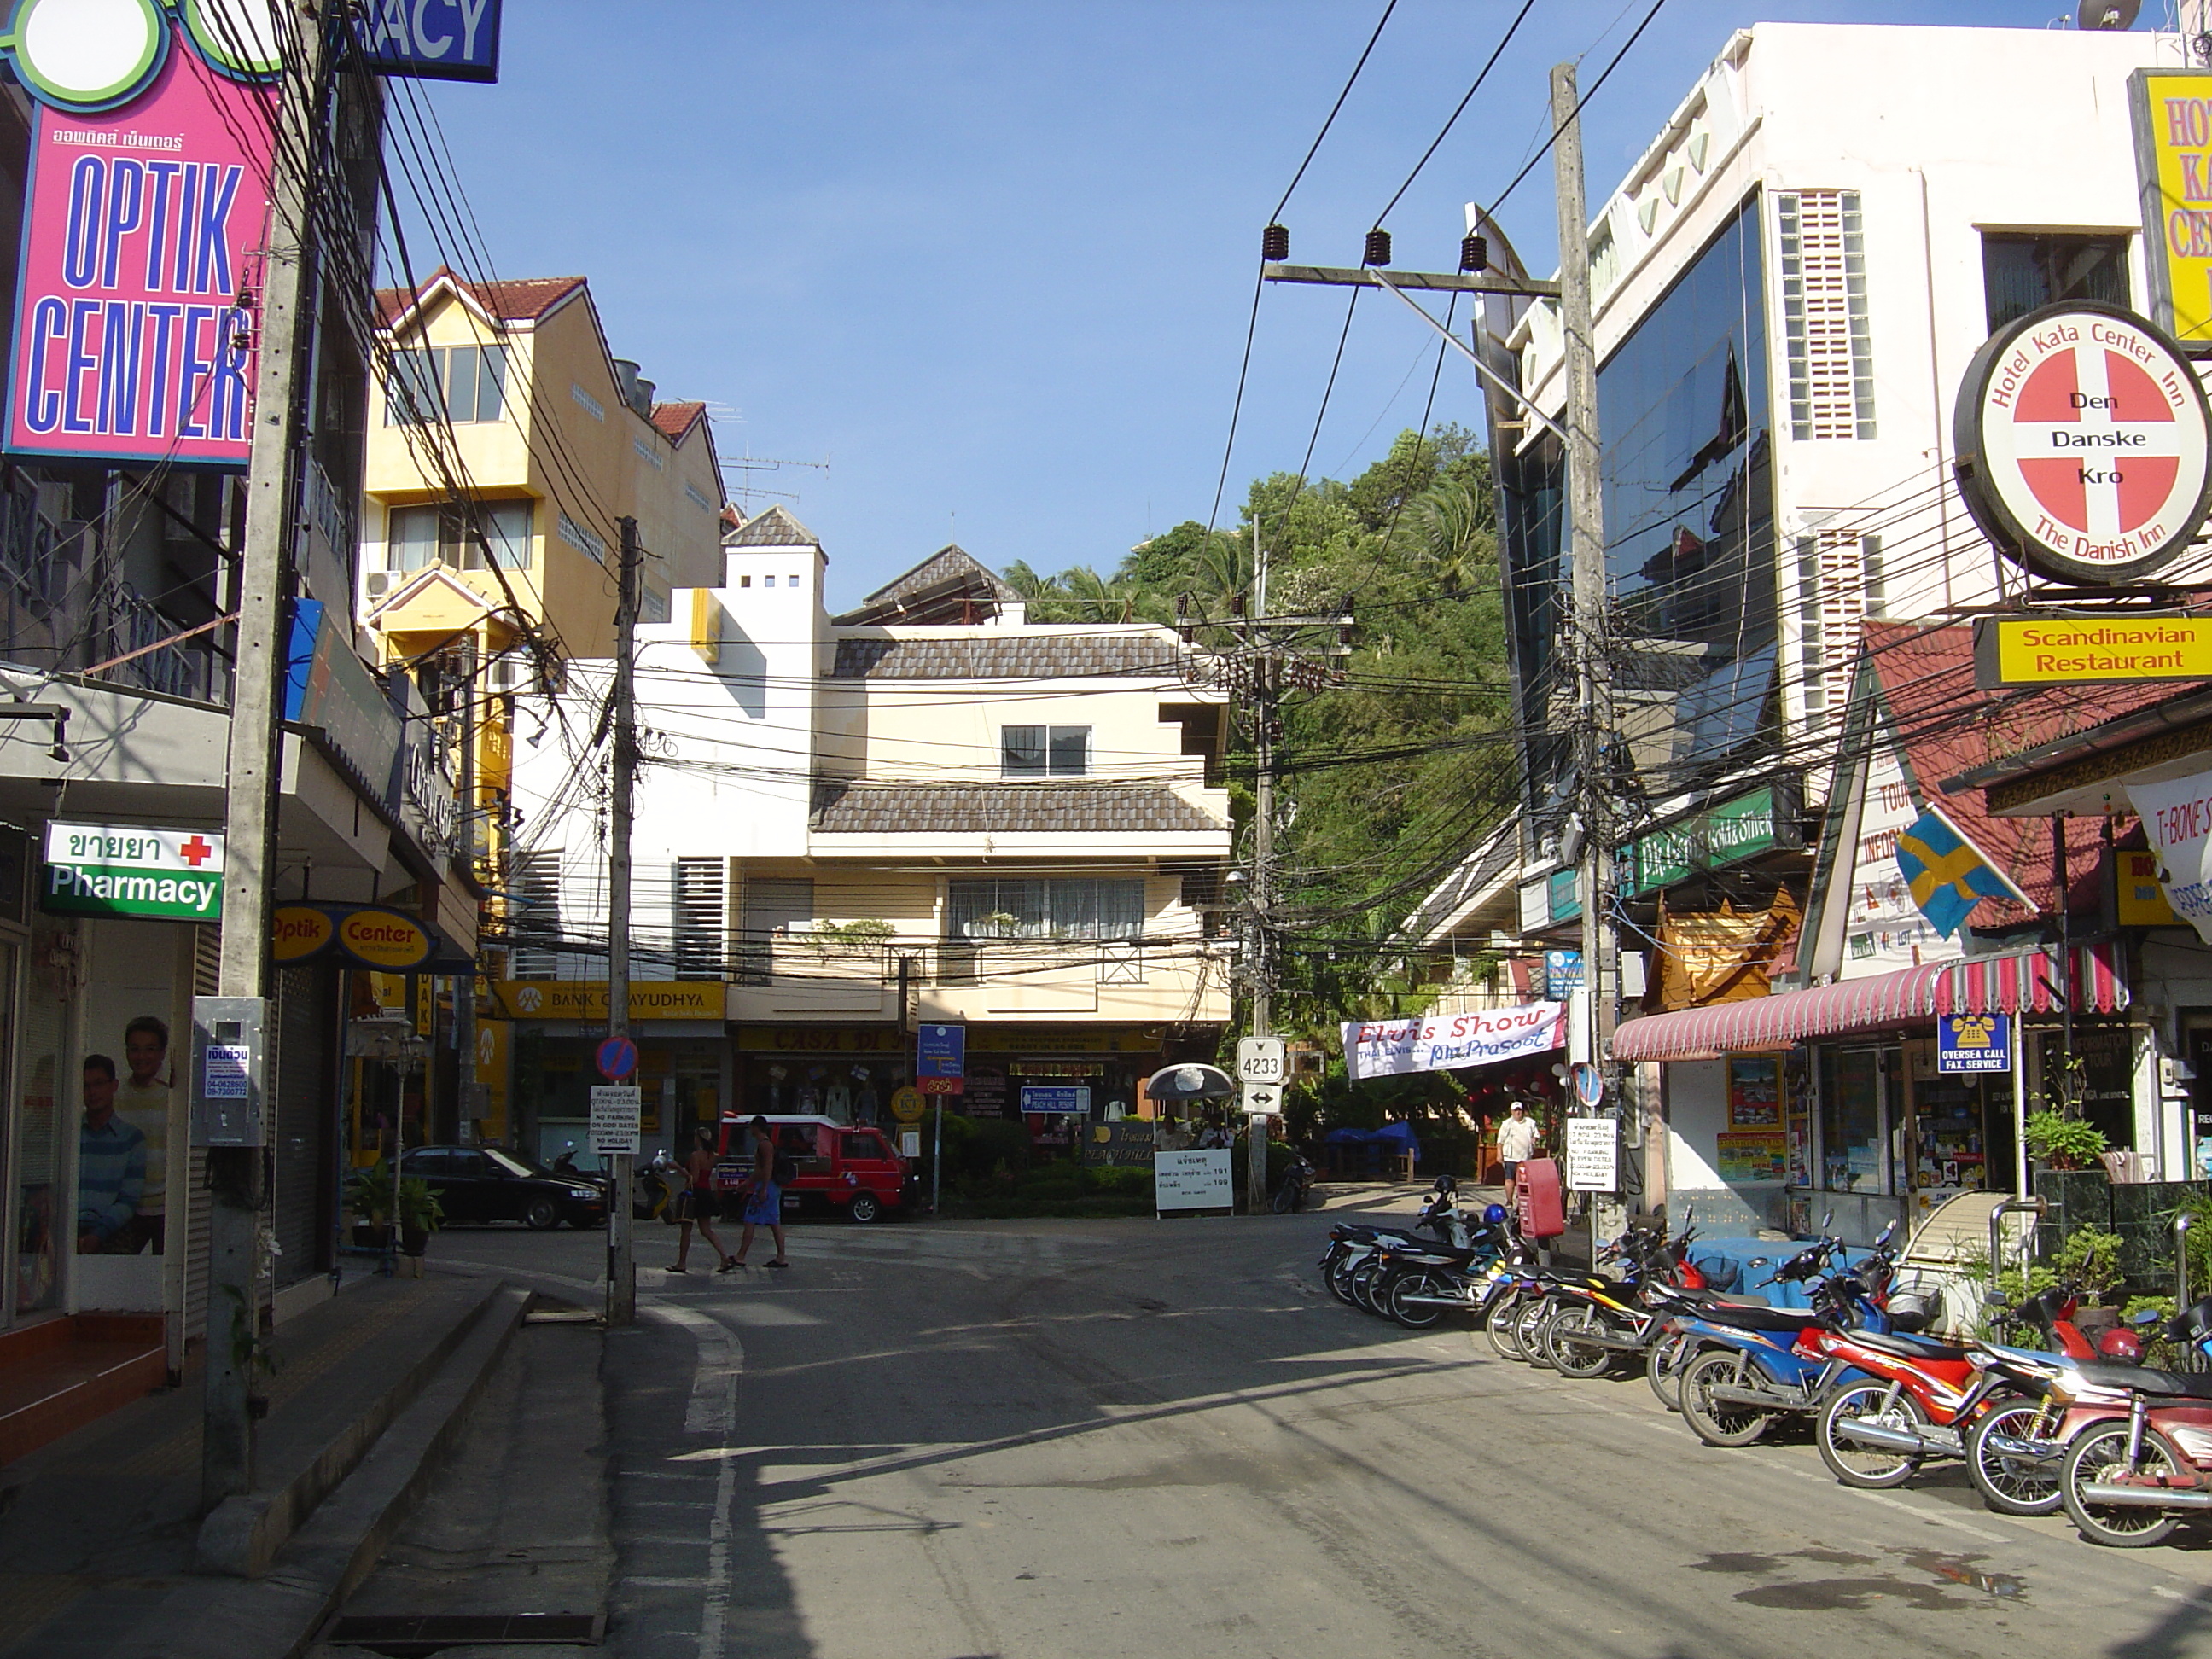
{"x": 2064, "y": 1142}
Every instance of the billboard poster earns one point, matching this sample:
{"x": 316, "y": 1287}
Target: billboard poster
{"x": 2172, "y": 111}
{"x": 135, "y": 312}
{"x": 1392, "y": 1048}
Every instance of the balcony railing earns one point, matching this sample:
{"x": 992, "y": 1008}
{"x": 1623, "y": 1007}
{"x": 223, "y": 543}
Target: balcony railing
{"x": 954, "y": 963}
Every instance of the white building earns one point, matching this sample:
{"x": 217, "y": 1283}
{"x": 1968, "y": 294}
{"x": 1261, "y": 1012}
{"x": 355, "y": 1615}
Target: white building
{"x": 1788, "y": 287}
{"x": 924, "y": 809}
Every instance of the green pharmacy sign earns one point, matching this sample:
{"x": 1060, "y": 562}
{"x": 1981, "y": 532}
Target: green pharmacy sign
{"x": 129, "y": 869}
{"x": 1764, "y": 821}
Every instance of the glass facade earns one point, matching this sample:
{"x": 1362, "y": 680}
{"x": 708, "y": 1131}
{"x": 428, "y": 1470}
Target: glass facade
{"x": 1684, "y": 421}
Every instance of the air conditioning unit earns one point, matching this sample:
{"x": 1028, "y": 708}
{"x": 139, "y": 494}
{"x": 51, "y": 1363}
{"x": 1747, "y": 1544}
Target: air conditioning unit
{"x": 378, "y": 584}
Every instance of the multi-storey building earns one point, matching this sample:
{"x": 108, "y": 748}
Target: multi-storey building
{"x": 504, "y": 449}
{"x": 1788, "y": 287}
{"x": 925, "y": 809}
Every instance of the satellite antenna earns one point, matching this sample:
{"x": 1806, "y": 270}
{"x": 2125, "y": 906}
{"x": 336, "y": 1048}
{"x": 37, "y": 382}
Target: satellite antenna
{"x": 2106, "y": 13}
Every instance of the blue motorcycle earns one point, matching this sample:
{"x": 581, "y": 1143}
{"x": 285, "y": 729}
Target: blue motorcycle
{"x": 1757, "y": 1364}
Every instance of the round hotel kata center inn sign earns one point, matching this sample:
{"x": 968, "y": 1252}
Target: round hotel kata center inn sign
{"x": 2082, "y": 440}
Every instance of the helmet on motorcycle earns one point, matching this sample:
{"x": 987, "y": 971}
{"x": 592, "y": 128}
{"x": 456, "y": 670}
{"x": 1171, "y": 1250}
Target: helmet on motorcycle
{"x": 2121, "y": 1343}
{"x": 1494, "y": 1216}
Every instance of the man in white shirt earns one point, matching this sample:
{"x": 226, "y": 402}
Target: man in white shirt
{"x": 1517, "y": 1141}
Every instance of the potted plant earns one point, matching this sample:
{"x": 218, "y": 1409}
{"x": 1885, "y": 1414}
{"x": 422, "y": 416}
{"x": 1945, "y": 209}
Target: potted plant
{"x": 370, "y": 1197}
{"x": 420, "y": 1215}
{"x": 2063, "y": 1142}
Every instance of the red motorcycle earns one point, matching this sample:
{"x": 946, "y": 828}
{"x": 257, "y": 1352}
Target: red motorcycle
{"x": 2138, "y": 1443}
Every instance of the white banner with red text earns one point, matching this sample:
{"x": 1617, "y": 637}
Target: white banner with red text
{"x": 1443, "y": 1042}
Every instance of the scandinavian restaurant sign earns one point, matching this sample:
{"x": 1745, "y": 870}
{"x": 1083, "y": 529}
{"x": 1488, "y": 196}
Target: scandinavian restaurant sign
{"x": 2082, "y": 437}
{"x": 2078, "y": 650}
{"x": 129, "y": 869}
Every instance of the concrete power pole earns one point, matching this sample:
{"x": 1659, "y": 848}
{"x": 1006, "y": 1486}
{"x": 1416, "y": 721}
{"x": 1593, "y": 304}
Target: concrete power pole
{"x": 464, "y": 987}
{"x": 1264, "y": 688}
{"x": 252, "y": 783}
{"x": 621, "y": 1251}
{"x": 1589, "y": 632}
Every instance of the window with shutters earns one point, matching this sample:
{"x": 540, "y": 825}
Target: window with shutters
{"x": 701, "y": 886}
{"x": 534, "y": 923}
{"x": 1832, "y": 598}
{"x": 1824, "y": 314}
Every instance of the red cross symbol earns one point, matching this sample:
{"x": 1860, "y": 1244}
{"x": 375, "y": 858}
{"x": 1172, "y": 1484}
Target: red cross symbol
{"x": 195, "y": 852}
{"x": 2097, "y": 441}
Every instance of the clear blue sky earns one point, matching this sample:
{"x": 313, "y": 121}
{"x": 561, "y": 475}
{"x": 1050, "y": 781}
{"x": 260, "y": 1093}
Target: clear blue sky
{"x": 992, "y": 261}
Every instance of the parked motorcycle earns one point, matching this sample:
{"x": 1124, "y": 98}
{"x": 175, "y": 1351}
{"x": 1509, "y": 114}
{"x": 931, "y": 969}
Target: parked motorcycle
{"x": 1761, "y": 1363}
{"x": 2138, "y": 1443}
{"x": 1349, "y": 1260}
{"x": 1296, "y": 1186}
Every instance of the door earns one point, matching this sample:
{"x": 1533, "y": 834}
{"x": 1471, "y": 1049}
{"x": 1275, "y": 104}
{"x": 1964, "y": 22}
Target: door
{"x": 864, "y": 1157}
{"x": 1859, "y": 1118}
{"x": 476, "y": 1186}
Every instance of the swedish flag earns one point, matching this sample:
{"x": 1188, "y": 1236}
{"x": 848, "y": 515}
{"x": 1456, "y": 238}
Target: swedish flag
{"x": 1946, "y": 873}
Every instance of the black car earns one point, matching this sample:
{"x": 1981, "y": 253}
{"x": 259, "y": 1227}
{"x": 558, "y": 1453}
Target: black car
{"x": 489, "y": 1183}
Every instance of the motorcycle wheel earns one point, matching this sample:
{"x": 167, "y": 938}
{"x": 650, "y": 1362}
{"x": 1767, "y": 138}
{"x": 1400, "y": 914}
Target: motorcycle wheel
{"x": 1340, "y": 1278}
{"x": 2012, "y": 1486}
{"x": 1664, "y": 1365}
{"x": 1854, "y": 1463}
{"x": 1421, "y": 1282}
{"x": 1362, "y": 1285}
{"x": 1502, "y": 1313}
{"x": 1566, "y": 1347}
{"x": 1528, "y": 1330}
{"x": 1715, "y": 1422}
{"x": 1286, "y": 1197}
{"x": 2099, "y": 1453}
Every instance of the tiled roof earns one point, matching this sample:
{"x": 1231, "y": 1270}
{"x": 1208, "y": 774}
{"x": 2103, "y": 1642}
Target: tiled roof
{"x": 989, "y": 654}
{"x": 674, "y": 420}
{"x": 773, "y": 528}
{"x": 1949, "y": 726}
{"x": 523, "y": 299}
{"x": 1005, "y": 809}
{"x": 950, "y": 563}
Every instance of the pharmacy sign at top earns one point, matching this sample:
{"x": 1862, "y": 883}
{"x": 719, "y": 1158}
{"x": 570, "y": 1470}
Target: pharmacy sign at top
{"x": 2081, "y": 435}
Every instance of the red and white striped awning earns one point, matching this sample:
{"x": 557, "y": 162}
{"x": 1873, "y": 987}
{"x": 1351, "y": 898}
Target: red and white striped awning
{"x": 2027, "y": 981}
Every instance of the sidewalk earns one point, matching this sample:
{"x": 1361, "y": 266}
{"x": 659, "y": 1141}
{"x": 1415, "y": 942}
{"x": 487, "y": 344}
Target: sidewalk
{"x": 99, "y": 1531}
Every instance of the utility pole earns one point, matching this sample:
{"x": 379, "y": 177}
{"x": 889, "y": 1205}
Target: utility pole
{"x": 232, "y": 1330}
{"x": 1588, "y": 630}
{"x": 1264, "y": 686}
{"x": 622, "y": 1252}
{"x": 464, "y": 987}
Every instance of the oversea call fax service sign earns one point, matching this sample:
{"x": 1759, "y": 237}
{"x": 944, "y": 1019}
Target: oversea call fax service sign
{"x": 2082, "y": 435}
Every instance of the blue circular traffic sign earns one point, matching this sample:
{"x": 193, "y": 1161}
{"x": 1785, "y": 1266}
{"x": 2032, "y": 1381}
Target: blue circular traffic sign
{"x": 618, "y": 1058}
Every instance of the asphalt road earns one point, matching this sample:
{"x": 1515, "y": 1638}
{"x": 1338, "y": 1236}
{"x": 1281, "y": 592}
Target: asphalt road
{"x": 1042, "y": 1438}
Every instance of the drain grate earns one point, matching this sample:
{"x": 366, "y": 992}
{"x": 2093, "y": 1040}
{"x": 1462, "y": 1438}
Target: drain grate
{"x": 407, "y": 1635}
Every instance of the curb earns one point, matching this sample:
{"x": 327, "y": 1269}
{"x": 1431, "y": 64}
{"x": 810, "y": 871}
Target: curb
{"x": 241, "y": 1535}
{"x": 276, "y": 1616}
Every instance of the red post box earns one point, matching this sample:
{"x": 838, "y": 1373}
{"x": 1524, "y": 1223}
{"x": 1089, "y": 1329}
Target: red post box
{"x": 1539, "y": 1198}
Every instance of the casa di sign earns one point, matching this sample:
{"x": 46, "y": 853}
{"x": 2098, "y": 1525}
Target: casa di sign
{"x": 2081, "y": 433}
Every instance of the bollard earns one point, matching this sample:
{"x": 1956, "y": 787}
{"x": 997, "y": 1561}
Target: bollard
{"x": 2037, "y": 1205}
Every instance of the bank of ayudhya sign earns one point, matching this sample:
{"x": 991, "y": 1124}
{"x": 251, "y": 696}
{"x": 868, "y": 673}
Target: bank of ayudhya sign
{"x": 2081, "y": 435}
{"x": 149, "y": 196}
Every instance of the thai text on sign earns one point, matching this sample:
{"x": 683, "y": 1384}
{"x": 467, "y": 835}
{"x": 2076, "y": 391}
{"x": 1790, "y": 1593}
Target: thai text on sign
{"x": 133, "y": 338}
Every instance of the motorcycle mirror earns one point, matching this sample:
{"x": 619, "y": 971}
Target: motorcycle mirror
{"x": 1826, "y": 1219}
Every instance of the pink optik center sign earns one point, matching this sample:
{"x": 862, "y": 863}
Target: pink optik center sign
{"x": 136, "y": 315}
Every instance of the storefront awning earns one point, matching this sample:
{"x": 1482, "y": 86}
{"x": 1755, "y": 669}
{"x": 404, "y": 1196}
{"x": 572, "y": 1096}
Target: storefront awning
{"x": 2027, "y": 981}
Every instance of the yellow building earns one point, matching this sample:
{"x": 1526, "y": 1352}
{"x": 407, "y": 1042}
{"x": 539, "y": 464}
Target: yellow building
{"x": 504, "y": 447}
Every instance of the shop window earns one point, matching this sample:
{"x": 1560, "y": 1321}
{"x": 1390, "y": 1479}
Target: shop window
{"x": 448, "y": 531}
{"x": 2022, "y": 272}
{"x": 1066, "y": 907}
{"x": 1855, "y": 1118}
{"x": 425, "y": 385}
{"x": 1039, "y": 751}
